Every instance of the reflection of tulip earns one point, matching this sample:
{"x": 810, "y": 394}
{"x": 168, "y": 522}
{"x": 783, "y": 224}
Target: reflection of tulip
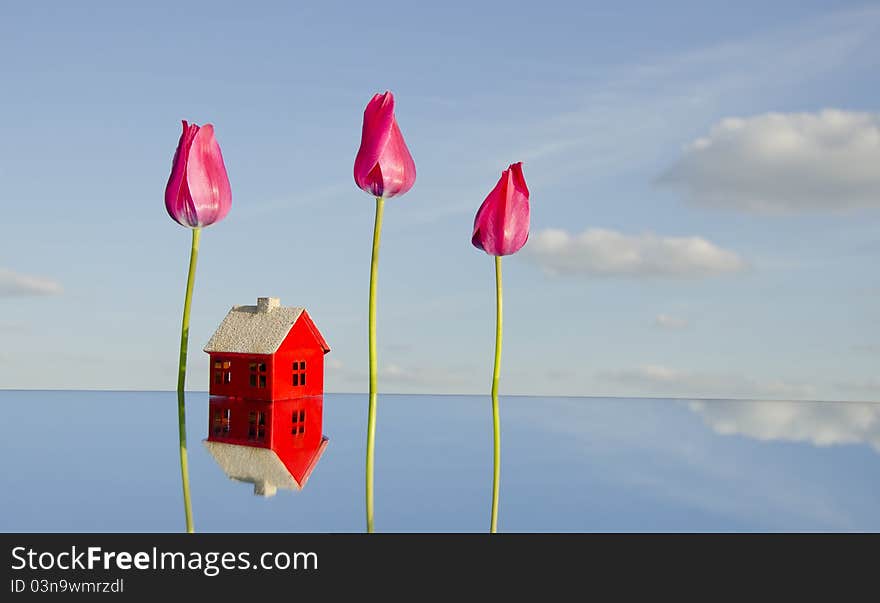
{"x": 197, "y": 195}
{"x": 501, "y": 227}
{"x": 198, "y": 192}
{"x": 384, "y": 168}
{"x": 502, "y": 223}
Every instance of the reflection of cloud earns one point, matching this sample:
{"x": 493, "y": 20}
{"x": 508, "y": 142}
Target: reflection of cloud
{"x": 820, "y": 423}
{"x": 667, "y": 455}
{"x": 666, "y": 321}
{"x": 13, "y": 284}
{"x": 610, "y": 253}
{"x": 784, "y": 162}
{"x": 656, "y": 379}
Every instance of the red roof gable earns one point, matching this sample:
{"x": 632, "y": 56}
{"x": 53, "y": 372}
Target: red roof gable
{"x": 318, "y": 337}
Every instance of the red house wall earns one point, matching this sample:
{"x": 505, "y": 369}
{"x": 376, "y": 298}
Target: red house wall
{"x": 300, "y": 345}
{"x": 239, "y": 379}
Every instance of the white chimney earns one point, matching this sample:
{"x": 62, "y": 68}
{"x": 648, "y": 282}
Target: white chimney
{"x": 267, "y": 304}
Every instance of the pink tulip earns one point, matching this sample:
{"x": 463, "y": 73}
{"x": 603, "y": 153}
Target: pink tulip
{"x": 197, "y": 195}
{"x": 198, "y": 192}
{"x": 383, "y": 166}
{"x": 501, "y": 226}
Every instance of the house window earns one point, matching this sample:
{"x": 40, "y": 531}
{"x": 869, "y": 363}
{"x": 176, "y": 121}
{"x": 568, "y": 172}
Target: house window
{"x": 257, "y": 425}
{"x": 258, "y": 374}
{"x": 222, "y": 420}
{"x": 299, "y": 373}
{"x": 298, "y": 421}
{"x": 222, "y": 371}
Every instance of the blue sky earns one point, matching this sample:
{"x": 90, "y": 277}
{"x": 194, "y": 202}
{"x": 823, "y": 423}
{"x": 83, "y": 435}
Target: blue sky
{"x": 704, "y": 185}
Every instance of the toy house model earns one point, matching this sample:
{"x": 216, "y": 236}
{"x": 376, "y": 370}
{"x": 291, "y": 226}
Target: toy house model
{"x": 269, "y": 444}
{"x": 267, "y": 352}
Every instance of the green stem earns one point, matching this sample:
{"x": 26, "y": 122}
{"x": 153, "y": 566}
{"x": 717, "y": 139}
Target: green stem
{"x": 371, "y": 420}
{"x": 496, "y": 419}
{"x": 181, "y": 379}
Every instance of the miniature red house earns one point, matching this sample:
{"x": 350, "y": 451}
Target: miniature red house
{"x": 267, "y": 352}
{"x": 269, "y": 444}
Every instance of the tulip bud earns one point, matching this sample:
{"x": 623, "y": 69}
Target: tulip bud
{"x": 501, "y": 226}
{"x": 383, "y": 166}
{"x": 198, "y": 192}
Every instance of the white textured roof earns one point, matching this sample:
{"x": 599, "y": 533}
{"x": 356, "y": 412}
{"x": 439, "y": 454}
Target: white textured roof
{"x": 253, "y": 329}
{"x": 258, "y": 466}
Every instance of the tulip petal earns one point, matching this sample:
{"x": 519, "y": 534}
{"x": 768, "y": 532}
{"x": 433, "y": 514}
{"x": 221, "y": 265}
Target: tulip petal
{"x": 518, "y": 180}
{"x": 178, "y": 201}
{"x": 398, "y": 167}
{"x": 207, "y": 178}
{"x": 377, "y": 129}
{"x": 485, "y": 234}
{"x": 501, "y": 226}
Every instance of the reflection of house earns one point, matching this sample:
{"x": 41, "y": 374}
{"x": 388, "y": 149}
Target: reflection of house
{"x": 269, "y": 444}
{"x": 267, "y": 352}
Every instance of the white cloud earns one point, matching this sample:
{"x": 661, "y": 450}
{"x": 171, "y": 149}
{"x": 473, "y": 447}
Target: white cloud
{"x": 820, "y": 423}
{"x": 405, "y": 379}
{"x": 426, "y": 376}
{"x": 865, "y": 348}
{"x": 870, "y": 386}
{"x": 13, "y": 327}
{"x": 627, "y": 111}
{"x": 784, "y": 162}
{"x": 13, "y": 284}
{"x": 666, "y": 321}
{"x": 658, "y": 380}
{"x": 335, "y": 364}
{"x": 305, "y": 199}
{"x": 610, "y": 253}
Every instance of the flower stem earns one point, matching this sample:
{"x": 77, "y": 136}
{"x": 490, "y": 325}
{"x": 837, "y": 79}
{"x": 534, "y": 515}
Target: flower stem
{"x": 496, "y": 419}
{"x": 371, "y": 421}
{"x": 181, "y": 379}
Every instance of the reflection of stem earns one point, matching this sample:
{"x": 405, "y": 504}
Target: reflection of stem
{"x": 181, "y": 379}
{"x": 496, "y": 419}
{"x": 371, "y": 421}
{"x": 184, "y": 467}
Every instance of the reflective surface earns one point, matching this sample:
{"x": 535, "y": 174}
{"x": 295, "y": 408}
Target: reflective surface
{"x": 107, "y": 461}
